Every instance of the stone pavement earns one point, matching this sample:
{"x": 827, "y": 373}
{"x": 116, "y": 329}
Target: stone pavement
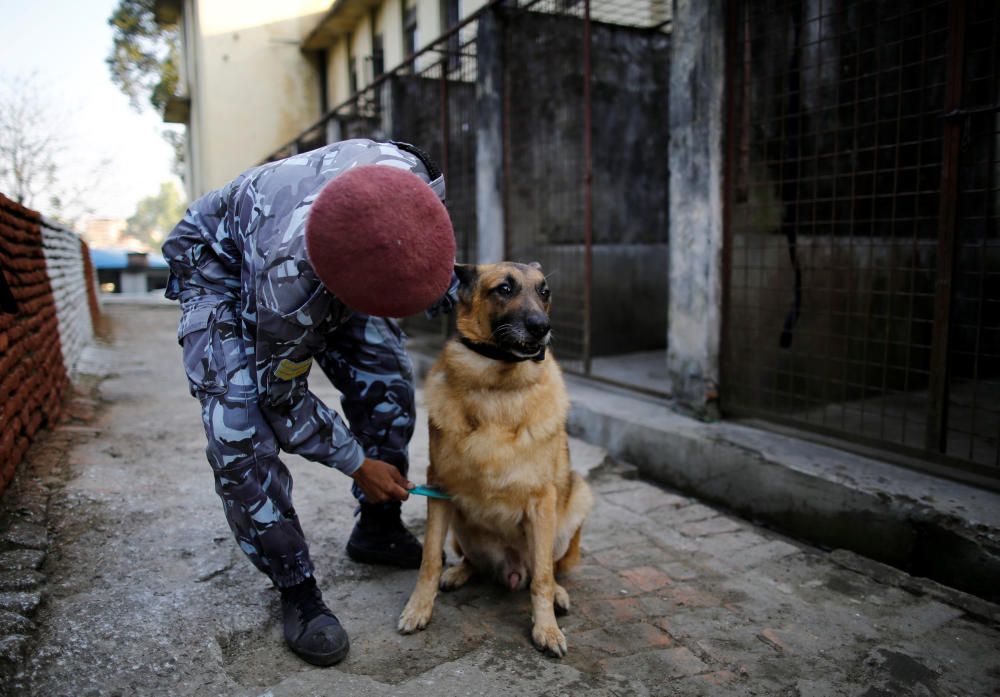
{"x": 147, "y": 593}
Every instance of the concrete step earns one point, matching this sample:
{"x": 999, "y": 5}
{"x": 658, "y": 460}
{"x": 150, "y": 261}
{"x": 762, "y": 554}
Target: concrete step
{"x": 585, "y": 457}
{"x": 925, "y": 525}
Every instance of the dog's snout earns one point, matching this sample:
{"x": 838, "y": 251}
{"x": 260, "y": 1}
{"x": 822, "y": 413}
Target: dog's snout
{"x": 537, "y": 325}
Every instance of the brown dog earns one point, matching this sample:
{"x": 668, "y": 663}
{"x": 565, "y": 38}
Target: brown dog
{"x": 497, "y": 410}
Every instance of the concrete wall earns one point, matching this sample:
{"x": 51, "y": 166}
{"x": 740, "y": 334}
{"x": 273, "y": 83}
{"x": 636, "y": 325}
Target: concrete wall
{"x": 187, "y": 87}
{"x": 429, "y": 27}
{"x": 545, "y": 193}
{"x": 389, "y": 23}
{"x": 253, "y": 88}
{"x": 337, "y": 79}
{"x": 490, "y": 214}
{"x": 697, "y": 72}
{"x": 413, "y": 114}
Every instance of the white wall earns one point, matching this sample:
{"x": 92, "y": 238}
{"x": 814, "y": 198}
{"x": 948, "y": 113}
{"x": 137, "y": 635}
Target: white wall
{"x": 65, "y": 269}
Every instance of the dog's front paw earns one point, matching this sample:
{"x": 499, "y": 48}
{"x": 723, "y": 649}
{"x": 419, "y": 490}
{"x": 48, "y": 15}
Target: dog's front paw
{"x": 416, "y": 615}
{"x": 550, "y": 639}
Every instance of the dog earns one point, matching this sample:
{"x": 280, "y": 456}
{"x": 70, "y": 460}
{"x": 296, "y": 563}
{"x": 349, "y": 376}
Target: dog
{"x": 497, "y": 406}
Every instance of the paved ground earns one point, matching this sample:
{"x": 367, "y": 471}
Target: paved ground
{"x": 147, "y": 593}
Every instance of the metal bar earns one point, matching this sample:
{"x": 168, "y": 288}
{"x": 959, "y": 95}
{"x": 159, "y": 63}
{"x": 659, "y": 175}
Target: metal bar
{"x": 444, "y": 117}
{"x": 398, "y": 70}
{"x": 894, "y": 221}
{"x": 914, "y": 245}
{"x": 958, "y": 113}
{"x": 872, "y": 229}
{"x": 978, "y": 350}
{"x": 445, "y": 328}
{"x": 937, "y": 415}
{"x": 505, "y": 145}
{"x": 588, "y": 178}
{"x": 733, "y": 10}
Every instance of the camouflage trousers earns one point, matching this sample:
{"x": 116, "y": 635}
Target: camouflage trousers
{"x": 374, "y": 379}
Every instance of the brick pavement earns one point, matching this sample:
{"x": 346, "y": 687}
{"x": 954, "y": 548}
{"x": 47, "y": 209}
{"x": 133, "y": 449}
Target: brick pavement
{"x": 150, "y": 596}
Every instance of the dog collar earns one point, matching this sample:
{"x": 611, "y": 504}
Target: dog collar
{"x": 498, "y": 354}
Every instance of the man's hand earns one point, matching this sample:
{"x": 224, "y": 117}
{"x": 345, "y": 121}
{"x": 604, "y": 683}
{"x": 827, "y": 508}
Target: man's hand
{"x": 382, "y": 482}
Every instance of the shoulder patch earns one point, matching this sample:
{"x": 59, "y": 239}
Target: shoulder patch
{"x": 288, "y": 370}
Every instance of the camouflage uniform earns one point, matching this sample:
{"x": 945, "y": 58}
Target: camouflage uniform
{"x": 254, "y": 319}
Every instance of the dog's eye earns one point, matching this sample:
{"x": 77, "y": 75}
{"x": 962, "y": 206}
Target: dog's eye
{"x": 504, "y": 289}
{"x": 544, "y": 292}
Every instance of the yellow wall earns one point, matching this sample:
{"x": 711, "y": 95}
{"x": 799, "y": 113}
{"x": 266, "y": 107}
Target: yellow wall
{"x": 389, "y": 22}
{"x": 428, "y": 27}
{"x": 254, "y": 89}
{"x": 361, "y": 48}
{"x": 468, "y": 7}
{"x": 337, "y": 79}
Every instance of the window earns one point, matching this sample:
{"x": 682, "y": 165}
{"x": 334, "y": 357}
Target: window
{"x": 352, "y": 66}
{"x": 378, "y": 56}
{"x": 449, "y": 17}
{"x": 409, "y": 30}
{"x": 449, "y": 13}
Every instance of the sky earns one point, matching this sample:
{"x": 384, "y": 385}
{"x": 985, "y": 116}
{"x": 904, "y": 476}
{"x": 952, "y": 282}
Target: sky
{"x": 64, "y": 43}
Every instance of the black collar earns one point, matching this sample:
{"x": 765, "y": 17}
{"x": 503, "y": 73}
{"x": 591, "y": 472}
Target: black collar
{"x": 498, "y": 354}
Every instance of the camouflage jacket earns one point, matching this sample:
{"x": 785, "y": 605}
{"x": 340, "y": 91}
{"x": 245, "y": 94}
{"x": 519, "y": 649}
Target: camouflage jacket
{"x": 244, "y": 245}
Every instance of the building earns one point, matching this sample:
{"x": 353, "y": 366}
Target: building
{"x": 255, "y": 73}
{"x": 109, "y": 233}
{"x": 783, "y": 211}
{"x": 129, "y": 273}
{"x": 100, "y": 232}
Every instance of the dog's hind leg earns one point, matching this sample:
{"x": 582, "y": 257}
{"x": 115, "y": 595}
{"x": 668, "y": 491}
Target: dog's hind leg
{"x": 567, "y": 547}
{"x": 572, "y": 556}
{"x": 560, "y": 598}
{"x": 456, "y": 576}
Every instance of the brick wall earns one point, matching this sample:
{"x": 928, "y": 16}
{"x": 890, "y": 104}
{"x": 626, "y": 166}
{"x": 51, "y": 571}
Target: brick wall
{"x": 45, "y": 270}
{"x": 90, "y": 273}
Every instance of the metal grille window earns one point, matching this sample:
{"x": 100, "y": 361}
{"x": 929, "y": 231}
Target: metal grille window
{"x": 378, "y": 56}
{"x": 862, "y": 264}
{"x": 568, "y": 99}
{"x": 587, "y": 177}
{"x": 410, "y": 30}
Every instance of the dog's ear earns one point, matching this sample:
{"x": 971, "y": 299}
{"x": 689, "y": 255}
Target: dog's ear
{"x": 467, "y": 275}
{"x": 536, "y": 265}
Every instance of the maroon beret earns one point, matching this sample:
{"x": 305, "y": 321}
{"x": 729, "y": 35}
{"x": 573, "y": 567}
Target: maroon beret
{"x": 380, "y": 240}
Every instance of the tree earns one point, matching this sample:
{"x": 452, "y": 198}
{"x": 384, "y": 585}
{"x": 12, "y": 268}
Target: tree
{"x": 156, "y": 215}
{"x": 143, "y": 58}
{"x": 34, "y": 149}
{"x": 143, "y": 63}
{"x": 28, "y": 141}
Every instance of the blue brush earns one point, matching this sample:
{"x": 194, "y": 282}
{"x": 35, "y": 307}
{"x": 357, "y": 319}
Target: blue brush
{"x": 430, "y": 492}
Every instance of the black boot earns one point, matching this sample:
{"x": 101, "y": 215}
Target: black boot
{"x": 311, "y": 630}
{"x": 379, "y": 537}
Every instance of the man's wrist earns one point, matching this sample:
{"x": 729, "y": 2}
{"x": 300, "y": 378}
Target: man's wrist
{"x": 354, "y": 460}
